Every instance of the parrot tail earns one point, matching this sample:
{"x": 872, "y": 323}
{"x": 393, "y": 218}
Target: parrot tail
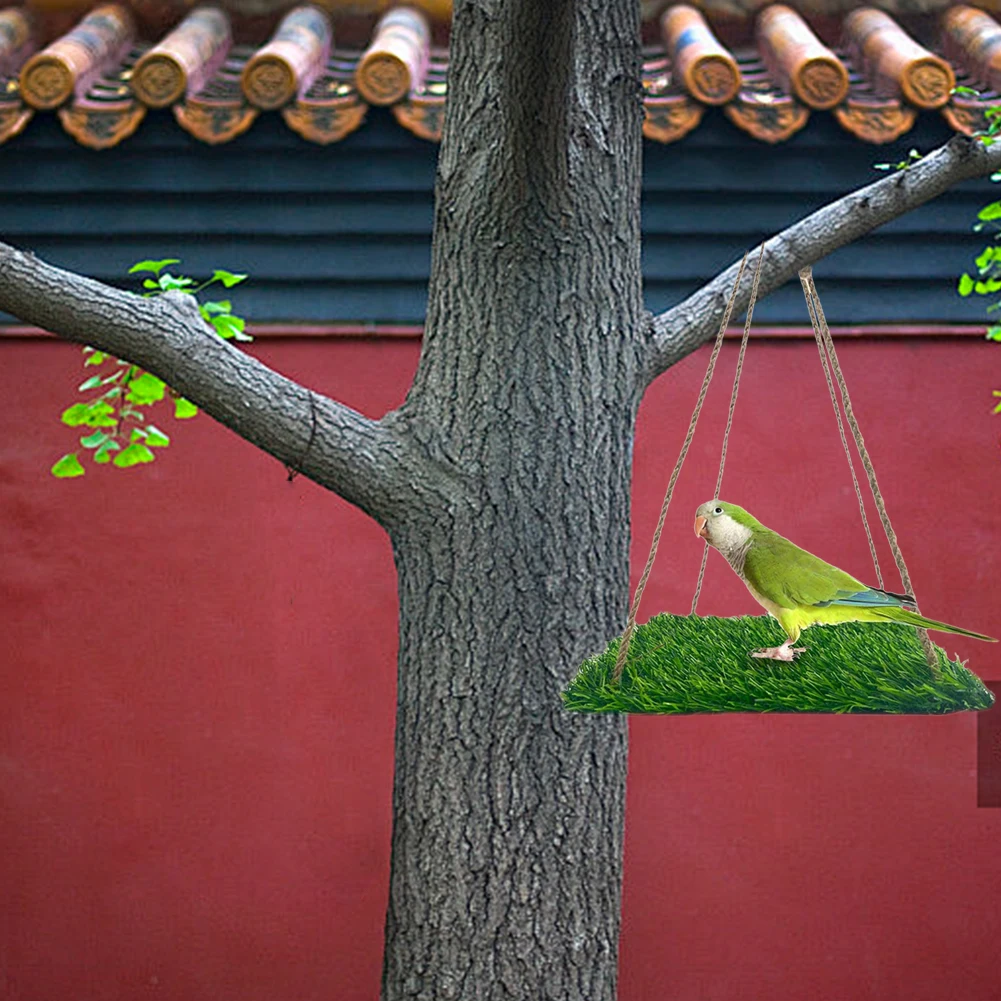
{"x": 910, "y": 618}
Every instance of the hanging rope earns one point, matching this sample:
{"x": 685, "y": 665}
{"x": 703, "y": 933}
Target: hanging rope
{"x": 837, "y": 413}
{"x": 729, "y": 416}
{"x": 631, "y": 622}
{"x": 820, "y": 321}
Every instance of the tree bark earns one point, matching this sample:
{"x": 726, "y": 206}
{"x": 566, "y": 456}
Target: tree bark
{"x": 508, "y": 811}
{"x": 360, "y": 459}
{"x": 503, "y": 481}
{"x": 683, "y": 328}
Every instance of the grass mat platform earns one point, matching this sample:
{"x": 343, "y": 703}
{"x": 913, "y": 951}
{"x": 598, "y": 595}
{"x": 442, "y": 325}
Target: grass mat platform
{"x": 689, "y": 664}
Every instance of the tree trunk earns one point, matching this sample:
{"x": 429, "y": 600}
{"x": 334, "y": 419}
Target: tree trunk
{"x": 508, "y": 810}
{"x": 503, "y": 481}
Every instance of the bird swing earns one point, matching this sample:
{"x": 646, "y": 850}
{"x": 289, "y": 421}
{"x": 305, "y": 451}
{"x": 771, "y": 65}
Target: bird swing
{"x": 676, "y": 664}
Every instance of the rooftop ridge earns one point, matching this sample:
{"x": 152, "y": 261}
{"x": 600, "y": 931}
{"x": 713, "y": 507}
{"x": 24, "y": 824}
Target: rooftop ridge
{"x": 100, "y": 76}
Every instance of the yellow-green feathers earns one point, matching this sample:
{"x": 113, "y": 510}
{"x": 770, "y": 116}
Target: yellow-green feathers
{"x": 796, "y": 587}
{"x": 791, "y": 577}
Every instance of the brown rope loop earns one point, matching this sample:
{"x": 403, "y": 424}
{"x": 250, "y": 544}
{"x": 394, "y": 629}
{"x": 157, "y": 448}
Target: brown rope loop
{"x": 806, "y": 277}
{"x": 631, "y": 622}
{"x": 729, "y": 416}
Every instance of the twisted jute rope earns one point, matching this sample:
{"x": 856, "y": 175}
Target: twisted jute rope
{"x": 729, "y": 416}
{"x": 841, "y": 424}
{"x": 824, "y": 339}
{"x": 631, "y": 622}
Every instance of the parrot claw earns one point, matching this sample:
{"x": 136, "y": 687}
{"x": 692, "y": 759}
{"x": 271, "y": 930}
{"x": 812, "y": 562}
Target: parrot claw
{"x": 784, "y": 652}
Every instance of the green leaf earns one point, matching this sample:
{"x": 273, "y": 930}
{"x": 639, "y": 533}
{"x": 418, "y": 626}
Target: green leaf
{"x": 67, "y": 467}
{"x": 965, "y": 91}
{"x": 75, "y": 416}
{"x": 149, "y": 283}
{"x": 155, "y": 438}
{"x": 95, "y": 415}
{"x": 184, "y": 408}
{"x": 95, "y": 440}
{"x": 171, "y": 283}
{"x": 103, "y": 454}
{"x": 228, "y": 326}
{"x": 988, "y": 212}
{"x": 965, "y": 285}
{"x": 137, "y": 434}
{"x": 144, "y": 389}
{"x": 227, "y": 278}
{"x": 997, "y": 409}
{"x": 102, "y": 419}
{"x": 208, "y": 308}
{"x": 134, "y": 455}
{"x": 223, "y": 326}
{"x": 95, "y": 357}
{"x": 994, "y": 333}
{"x": 985, "y": 258}
{"x": 988, "y": 287}
{"x": 155, "y": 266}
{"x": 91, "y": 383}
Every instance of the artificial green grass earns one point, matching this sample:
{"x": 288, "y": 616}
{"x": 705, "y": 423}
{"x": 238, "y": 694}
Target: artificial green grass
{"x": 689, "y": 664}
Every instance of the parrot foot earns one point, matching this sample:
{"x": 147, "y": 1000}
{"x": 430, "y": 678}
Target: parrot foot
{"x": 784, "y": 652}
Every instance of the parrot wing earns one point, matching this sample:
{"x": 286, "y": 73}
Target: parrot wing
{"x": 871, "y": 597}
{"x": 793, "y": 578}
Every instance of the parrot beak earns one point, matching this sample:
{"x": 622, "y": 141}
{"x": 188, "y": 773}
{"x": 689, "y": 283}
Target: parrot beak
{"x": 700, "y": 528}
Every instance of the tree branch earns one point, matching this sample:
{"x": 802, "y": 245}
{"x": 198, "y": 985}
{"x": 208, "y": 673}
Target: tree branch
{"x": 679, "y": 331}
{"x": 366, "y": 462}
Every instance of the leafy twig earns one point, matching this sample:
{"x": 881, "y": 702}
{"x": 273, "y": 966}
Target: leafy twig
{"x": 116, "y": 425}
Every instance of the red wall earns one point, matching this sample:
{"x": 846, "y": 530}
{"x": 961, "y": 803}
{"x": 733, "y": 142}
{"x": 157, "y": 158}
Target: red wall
{"x": 198, "y": 682}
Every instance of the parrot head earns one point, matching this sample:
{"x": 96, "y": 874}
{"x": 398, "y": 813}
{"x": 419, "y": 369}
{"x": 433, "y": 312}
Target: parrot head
{"x": 724, "y": 526}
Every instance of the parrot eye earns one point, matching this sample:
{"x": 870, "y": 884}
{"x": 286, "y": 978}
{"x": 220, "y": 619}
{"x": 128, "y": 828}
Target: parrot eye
{"x": 718, "y": 510}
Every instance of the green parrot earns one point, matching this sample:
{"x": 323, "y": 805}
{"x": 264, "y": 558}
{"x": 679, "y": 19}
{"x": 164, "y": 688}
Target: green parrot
{"x": 796, "y": 587}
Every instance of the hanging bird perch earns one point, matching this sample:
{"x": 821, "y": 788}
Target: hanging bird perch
{"x": 685, "y": 664}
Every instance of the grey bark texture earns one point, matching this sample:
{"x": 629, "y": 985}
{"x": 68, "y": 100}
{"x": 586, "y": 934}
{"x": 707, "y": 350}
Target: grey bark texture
{"x": 360, "y": 459}
{"x": 508, "y": 811}
{"x": 677, "y": 332}
{"x": 503, "y": 480}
